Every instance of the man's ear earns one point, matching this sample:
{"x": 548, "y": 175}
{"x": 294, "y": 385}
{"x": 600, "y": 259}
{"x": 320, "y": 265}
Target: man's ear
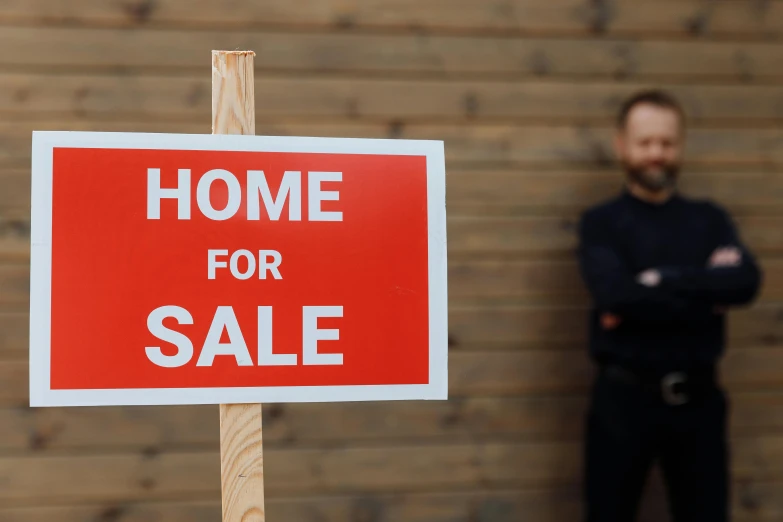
{"x": 619, "y": 144}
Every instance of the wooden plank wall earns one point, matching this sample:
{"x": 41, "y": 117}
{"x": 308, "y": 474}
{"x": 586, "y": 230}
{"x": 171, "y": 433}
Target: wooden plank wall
{"x": 523, "y": 92}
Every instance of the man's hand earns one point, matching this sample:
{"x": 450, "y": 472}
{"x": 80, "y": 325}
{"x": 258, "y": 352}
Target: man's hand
{"x": 649, "y": 278}
{"x": 725, "y": 256}
{"x": 610, "y": 321}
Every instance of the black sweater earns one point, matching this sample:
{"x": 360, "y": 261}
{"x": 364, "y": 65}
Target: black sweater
{"x": 672, "y": 326}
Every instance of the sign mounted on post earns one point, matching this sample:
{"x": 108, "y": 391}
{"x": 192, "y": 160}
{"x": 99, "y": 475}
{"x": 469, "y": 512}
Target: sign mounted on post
{"x": 209, "y": 269}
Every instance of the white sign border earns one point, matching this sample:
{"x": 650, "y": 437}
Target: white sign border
{"x": 43, "y": 145}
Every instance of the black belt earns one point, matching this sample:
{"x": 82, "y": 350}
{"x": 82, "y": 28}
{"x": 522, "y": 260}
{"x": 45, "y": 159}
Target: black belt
{"x": 675, "y": 387}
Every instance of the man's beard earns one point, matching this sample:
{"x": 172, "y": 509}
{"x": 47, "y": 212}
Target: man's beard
{"x": 657, "y": 179}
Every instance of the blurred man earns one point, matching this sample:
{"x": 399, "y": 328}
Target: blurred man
{"x": 662, "y": 269}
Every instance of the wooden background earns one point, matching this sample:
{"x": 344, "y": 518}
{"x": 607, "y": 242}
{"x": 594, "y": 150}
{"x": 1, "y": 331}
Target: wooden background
{"x": 523, "y": 93}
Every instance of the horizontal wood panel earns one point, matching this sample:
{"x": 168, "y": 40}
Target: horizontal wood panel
{"x": 13, "y": 249}
{"x": 556, "y": 282}
{"x": 195, "y": 511}
{"x": 752, "y": 501}
{"x": 14, "y": 334}
{"x": 15, "y": 235}
{"x": 513, "y": 372}
{"x": 558, "y": 371}
{"x": 125, "y": 477}
{"x": 526, "y": 236}
{"x": 546, "y": 505}
{"x": 546, "y": 282}
{"x": 14, "y": 287}
{"x": 490, "y": 145}
{"x": 668, "y": 17}
{"x": 474, "y": 419}
{"x": 534, "y": 326}
{"x": 487, "y": 191}
{"x": 300, "y": 472}
{"x": 313, "y": 97}
{"x": 552, "y": 235}
{"x": 384, "y": 54}
{"x": 15, "y": 197}
{"x": 506, "y": 326}
{"x": 341, "y": 424}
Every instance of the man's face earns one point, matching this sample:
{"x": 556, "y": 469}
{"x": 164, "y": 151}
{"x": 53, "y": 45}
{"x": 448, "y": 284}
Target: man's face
{"x": 649, "y": 147}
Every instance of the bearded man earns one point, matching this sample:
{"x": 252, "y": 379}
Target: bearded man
{"x": 662, "y": 269}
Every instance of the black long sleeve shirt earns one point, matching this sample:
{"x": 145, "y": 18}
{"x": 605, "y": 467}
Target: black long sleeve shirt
{"x": 674, "y": 325}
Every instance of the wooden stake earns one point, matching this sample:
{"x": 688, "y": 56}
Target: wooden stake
{"x": 241, "y": 443}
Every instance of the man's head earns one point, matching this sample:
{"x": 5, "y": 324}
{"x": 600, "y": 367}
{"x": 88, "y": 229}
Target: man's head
{"x": 649, "y": 141}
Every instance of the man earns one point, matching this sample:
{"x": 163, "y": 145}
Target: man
{"x": 662, "y": 269}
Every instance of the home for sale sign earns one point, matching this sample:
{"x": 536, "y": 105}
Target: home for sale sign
{"x": 182, "y": 269}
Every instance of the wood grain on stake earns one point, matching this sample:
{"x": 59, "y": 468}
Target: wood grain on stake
{"x": 241, "y": 441}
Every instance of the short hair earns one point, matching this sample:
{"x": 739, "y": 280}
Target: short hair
{"x": 657, "y": 97}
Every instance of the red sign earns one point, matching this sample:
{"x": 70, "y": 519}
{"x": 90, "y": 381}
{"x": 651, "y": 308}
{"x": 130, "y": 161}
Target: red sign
{"x": 174, "y": 269}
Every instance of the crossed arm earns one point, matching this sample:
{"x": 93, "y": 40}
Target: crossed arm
{"x": 730, "y": 277}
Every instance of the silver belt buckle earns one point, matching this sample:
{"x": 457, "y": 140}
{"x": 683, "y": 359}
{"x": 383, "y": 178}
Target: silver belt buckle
{"x": 667, "y": 387}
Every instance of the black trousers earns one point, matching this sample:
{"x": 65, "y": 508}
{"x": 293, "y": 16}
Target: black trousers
{"x": 630, "y": 426}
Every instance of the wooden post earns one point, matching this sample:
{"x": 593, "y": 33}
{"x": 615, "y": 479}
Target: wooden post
{"x": 241, "y": 444}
